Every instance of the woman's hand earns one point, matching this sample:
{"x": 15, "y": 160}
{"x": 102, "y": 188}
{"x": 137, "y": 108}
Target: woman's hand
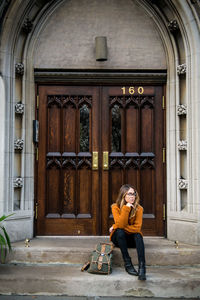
{"x": 111, "y": 229}
{"x": 129, "y": 204}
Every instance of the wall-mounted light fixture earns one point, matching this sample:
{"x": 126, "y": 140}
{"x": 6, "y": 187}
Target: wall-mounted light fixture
{"x": 101, "y": 48}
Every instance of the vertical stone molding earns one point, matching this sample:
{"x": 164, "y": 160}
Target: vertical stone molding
{"x": 182, "y": 145}
{"x": 181, "y": 109}
{"x": 19, "y": 108}
{"x": 173, "y": 26}
{"x": 19, "y": 69}
{"x": 27, "y": 26}
{"x": 181, "y": 69}
{"x": 18, "y": 182}
{"x": 183, "y": 184}
{"x": 19, "y": 144}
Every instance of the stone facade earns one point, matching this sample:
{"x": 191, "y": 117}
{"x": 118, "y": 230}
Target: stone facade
{"x": 141, "y": 35}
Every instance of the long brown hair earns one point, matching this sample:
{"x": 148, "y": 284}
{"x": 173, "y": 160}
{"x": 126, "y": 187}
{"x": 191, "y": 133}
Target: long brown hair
{"x": 121, "y": 199}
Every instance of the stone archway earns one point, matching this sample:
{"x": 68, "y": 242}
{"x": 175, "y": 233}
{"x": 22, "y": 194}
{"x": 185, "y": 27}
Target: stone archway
{"x": 179, "y": 42}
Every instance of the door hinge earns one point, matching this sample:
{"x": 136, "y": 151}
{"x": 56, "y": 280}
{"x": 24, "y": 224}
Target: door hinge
{"x": 164, "y": 212}
{"x": 36, "y": 153}
{"x": 164, "y": 155}
{"x": 163, "y": 102}
{"x": 36, "y": 210}
{"x": 37, "y": 103}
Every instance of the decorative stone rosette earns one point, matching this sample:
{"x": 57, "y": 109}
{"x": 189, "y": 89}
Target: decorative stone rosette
{"x": 19, "y": 69}
{"x": 19, "y": 108}
{"x": 181, "y": 69}
{"x": 27, "y": 26}
{"x": 173, "y": 26}
{"x": 181, "y": 109}
{"x": 182, "y": 145}
{"x": 18, "y": 182}
{"x": 19, "y": 144}
{"x": 183, "y": 184}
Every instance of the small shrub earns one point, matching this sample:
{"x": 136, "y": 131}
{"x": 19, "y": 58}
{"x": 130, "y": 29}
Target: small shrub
{"x": 5, "y": 244}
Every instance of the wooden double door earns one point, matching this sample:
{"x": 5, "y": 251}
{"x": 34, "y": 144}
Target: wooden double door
{"x": 93, "y": 139}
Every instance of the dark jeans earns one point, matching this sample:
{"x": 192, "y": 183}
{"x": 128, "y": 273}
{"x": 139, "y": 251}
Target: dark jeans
{"x": 124, "y": 241}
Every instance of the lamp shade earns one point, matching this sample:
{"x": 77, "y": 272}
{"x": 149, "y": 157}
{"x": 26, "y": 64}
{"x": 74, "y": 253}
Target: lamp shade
{"x": 101, "y": 48}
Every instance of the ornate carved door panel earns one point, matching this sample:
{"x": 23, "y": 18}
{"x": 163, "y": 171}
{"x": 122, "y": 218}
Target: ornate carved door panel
{"x": 133, "y": 134}
{"x": 68, "y": 197}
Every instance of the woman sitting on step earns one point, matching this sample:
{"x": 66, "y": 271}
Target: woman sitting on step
{"x": 126, "y": 231}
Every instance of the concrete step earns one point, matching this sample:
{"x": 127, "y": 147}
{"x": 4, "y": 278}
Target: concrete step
{"x": 60, "y": 279}
{"x": 76, "y": 250}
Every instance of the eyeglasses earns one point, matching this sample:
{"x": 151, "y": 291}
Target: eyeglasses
{"x": 131, "y": 194}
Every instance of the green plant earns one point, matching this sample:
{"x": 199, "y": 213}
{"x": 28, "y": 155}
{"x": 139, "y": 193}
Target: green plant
{"x": 5, "y": 244}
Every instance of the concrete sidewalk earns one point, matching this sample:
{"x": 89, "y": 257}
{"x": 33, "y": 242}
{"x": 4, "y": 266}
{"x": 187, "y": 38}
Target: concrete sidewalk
{"x": 177, "y": 282}
{"x": 15, "y": 297}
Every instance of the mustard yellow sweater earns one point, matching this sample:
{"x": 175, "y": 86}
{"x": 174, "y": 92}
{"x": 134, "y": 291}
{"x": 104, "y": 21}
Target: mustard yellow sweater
{"x": 121, "y": 219}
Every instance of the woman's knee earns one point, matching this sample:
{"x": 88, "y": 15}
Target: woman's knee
{"x": 138, "y": 236}
{"x": 120, "y": 233}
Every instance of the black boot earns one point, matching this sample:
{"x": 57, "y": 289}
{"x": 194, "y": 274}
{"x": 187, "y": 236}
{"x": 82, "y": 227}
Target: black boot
{"x": 129, "y": 267}
{"x": 142, "y": 271}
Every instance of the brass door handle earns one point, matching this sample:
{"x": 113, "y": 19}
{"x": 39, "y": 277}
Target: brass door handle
{"x": 95, "y": 160}
{"x": 105, "y": 160}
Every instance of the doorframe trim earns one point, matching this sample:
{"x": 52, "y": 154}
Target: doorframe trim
{"x": 105, "y": 76}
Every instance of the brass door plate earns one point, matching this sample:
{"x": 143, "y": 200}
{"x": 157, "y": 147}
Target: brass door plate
{"x": 105, "y": 160}
{"x": 95, "y": 160}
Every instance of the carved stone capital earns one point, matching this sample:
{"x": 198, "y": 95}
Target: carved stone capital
{"x": 19, "y": 108}
{"x": 19, "y": 144}
{"x": 19, "y": 69}
{"x": 183, "y": 184}
{"x": 18, "y": 182}
{"x": 181, "y": 109}
{"x": 181, "y": 69}
{"x": 173, "y": 26}
{"x": 182, "y": 145}
{"x": 27, "y": 26}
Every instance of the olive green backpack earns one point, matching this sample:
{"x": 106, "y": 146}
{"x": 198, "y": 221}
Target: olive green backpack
{"x": 100, "y": 260}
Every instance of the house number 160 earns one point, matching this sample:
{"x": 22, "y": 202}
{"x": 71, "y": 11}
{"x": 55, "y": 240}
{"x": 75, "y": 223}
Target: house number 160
{"x": 132, "y": 90}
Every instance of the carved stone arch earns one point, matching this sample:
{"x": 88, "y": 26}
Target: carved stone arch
{"x": 17, "y": 47}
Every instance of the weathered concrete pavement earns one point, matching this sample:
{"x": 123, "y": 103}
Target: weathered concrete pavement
{"x": 68, "y": 280}
{"x": 51, "y": 266}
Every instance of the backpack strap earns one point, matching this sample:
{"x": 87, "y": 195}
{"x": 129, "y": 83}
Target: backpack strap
{"x": 100, "y": 262}
{"x": 101, "y": 248}
{"x": 85, "y": 266}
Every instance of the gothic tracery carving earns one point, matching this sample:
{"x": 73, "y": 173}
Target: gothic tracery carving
{"x": 137, "y": 101}
{"x": 71, "y": 161}
{"x": 64, "y": 100}
{"x": 142, "y": 161}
